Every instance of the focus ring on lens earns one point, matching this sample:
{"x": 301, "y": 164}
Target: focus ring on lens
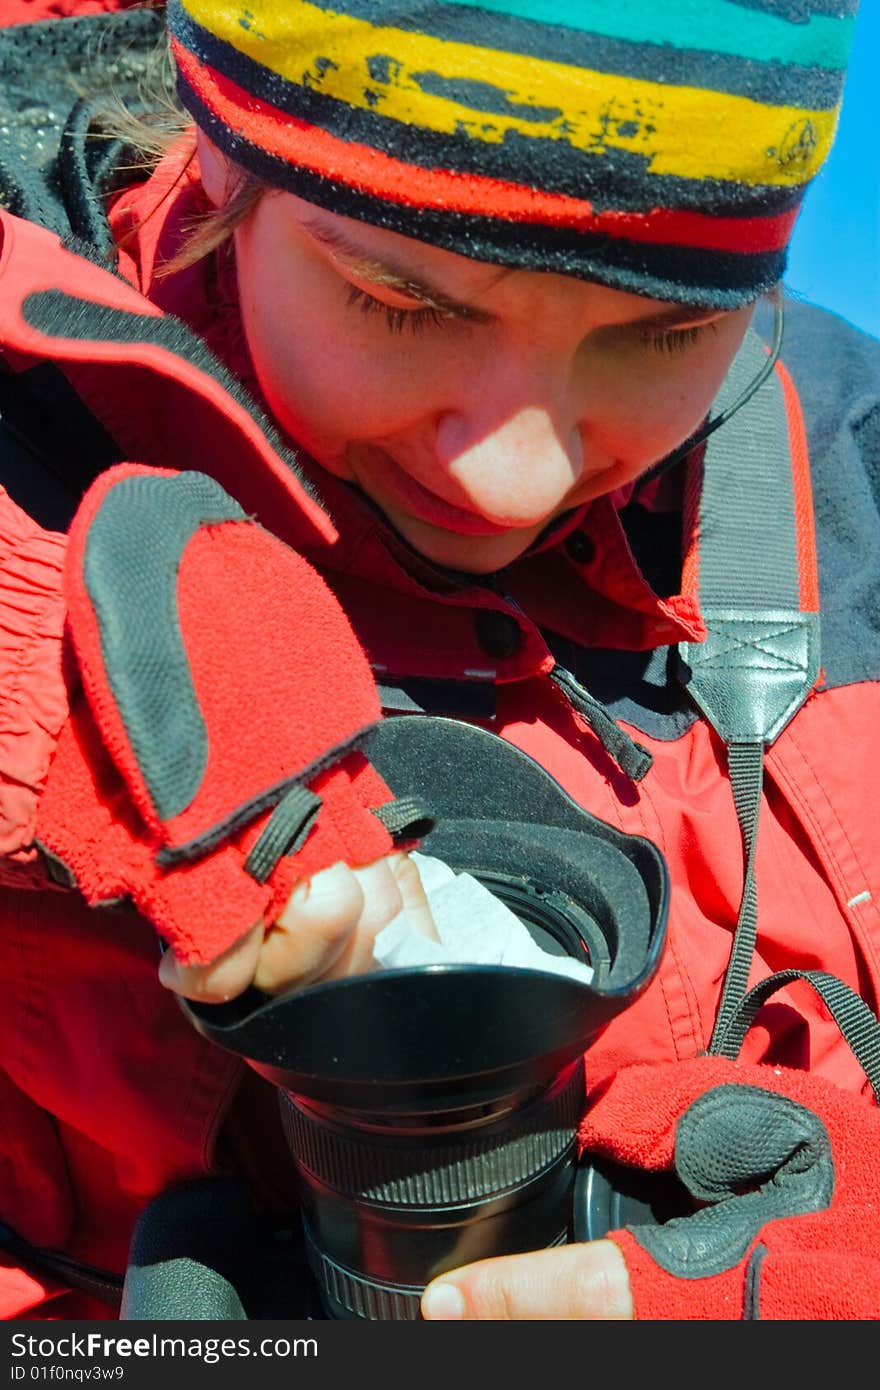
{"x": 354, "y": 1294}
{"x": 447, "y": 1171}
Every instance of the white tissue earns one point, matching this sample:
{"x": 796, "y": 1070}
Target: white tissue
{"x": 475, "y": 928}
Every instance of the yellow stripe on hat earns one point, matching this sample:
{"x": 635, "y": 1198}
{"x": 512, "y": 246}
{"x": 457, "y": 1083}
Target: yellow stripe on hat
{"x": 423, "y": 81}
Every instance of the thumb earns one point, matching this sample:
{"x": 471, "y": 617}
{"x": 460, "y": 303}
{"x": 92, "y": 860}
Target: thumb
{"x": 569, "y": 1282}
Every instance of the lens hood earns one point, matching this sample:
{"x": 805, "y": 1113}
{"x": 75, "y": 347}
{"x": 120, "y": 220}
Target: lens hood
{"x": 444, "y": 1039}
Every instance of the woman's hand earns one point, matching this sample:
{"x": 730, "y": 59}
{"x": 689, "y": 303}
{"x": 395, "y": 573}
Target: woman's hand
{"x": 324, "y": 932}
{"x": 784, "y": 1221}
{"x": 569, "y": 1283}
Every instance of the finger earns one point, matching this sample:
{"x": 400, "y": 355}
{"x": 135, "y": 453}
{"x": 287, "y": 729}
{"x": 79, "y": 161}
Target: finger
{"x": 222, "y": 979}
{"x": 382, "y": 899}
{"x": 415, "y": 899}
{"x": 312, "y": 930}
{"x": 382, "y": 902}
{"x": 570, "y": 1283}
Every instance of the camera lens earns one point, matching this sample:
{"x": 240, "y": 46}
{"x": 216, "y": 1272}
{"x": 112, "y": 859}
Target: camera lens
{"x": 387, "y": 1206}
{"x": 432, "y": 1111}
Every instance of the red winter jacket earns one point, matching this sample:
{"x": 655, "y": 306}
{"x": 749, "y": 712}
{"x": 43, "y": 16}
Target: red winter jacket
{"x": 29, "y": 11}
{"x": 107, "y": 1094}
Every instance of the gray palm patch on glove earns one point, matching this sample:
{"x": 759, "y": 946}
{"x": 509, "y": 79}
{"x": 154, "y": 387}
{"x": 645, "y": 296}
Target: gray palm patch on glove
{"x": 752, "y": 1157}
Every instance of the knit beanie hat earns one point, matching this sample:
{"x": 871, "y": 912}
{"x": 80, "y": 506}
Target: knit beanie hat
{"x": 656, "y": 146}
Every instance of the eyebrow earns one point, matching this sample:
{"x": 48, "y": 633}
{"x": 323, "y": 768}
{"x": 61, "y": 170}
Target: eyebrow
{"x": 675, "y": 314}
{"x": 390, "y": 274}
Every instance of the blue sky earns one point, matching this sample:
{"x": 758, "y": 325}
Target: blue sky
{"x": 835, "y": 250}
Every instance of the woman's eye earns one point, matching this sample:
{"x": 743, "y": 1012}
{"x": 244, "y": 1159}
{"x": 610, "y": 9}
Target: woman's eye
{"x": 673, "y": 340}
{"x": 397, "y": 319}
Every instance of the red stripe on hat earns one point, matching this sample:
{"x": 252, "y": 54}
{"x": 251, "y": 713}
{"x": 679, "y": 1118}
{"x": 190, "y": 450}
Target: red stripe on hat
{"x": 297, "y": 142}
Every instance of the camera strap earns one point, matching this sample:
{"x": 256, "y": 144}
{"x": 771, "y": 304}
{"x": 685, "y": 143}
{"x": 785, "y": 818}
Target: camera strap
{"x": 753, "y": 567}
{"x": 101, "y": 1284}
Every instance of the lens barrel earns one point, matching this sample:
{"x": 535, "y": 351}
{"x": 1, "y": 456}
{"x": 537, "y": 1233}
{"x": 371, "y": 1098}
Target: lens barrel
{"x": 388, "y": 1206}
{"x": 432, "y": 1112}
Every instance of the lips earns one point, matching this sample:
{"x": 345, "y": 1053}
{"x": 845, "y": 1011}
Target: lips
{"x": 387, "y": 481}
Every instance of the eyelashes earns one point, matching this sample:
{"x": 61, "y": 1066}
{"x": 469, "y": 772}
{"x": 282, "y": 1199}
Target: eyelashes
{"x": 396, "y": 320}
{"x": 668, "y": 341}
{"x": 674, "y": 340}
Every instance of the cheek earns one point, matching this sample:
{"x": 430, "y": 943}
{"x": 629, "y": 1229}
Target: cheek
{"x": 328, "y": 377}
{"x": 651, "y": 420}
{"x": 652, "y": 407}
{"x": 304, "y": 366}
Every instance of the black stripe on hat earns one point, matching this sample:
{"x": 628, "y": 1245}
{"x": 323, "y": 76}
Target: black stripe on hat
{"x": 716, "y": 279}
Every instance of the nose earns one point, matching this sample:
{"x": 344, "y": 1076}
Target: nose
{"x": 512, "y": 449}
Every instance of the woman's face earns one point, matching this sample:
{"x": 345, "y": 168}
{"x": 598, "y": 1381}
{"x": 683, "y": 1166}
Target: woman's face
{"x": 473, "y": 404}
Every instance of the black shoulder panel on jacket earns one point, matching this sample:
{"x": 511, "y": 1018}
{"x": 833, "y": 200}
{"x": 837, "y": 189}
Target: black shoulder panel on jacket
{"x": 51, "y": 445}
{"x": 836, "y": 369}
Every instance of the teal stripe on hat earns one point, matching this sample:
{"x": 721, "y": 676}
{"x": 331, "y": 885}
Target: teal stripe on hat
{"x": 780, "y": 84}
{"x": 719, "y": 26}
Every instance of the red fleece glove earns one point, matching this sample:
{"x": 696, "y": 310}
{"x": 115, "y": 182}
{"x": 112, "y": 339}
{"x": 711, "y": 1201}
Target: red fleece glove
{"x": 784, "y": 1170}
{"x": 214, "y": 760}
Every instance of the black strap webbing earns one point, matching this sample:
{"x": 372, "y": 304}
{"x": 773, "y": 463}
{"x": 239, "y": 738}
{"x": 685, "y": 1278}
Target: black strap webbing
{"x": 746, "y": 764}
{"x": 757, "y": 666}
{"x": 99, "y": 1283}
{"x": 284, "y": 832}
{"x": 856, "y": 1021}
{"x": 405, "y": 817}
